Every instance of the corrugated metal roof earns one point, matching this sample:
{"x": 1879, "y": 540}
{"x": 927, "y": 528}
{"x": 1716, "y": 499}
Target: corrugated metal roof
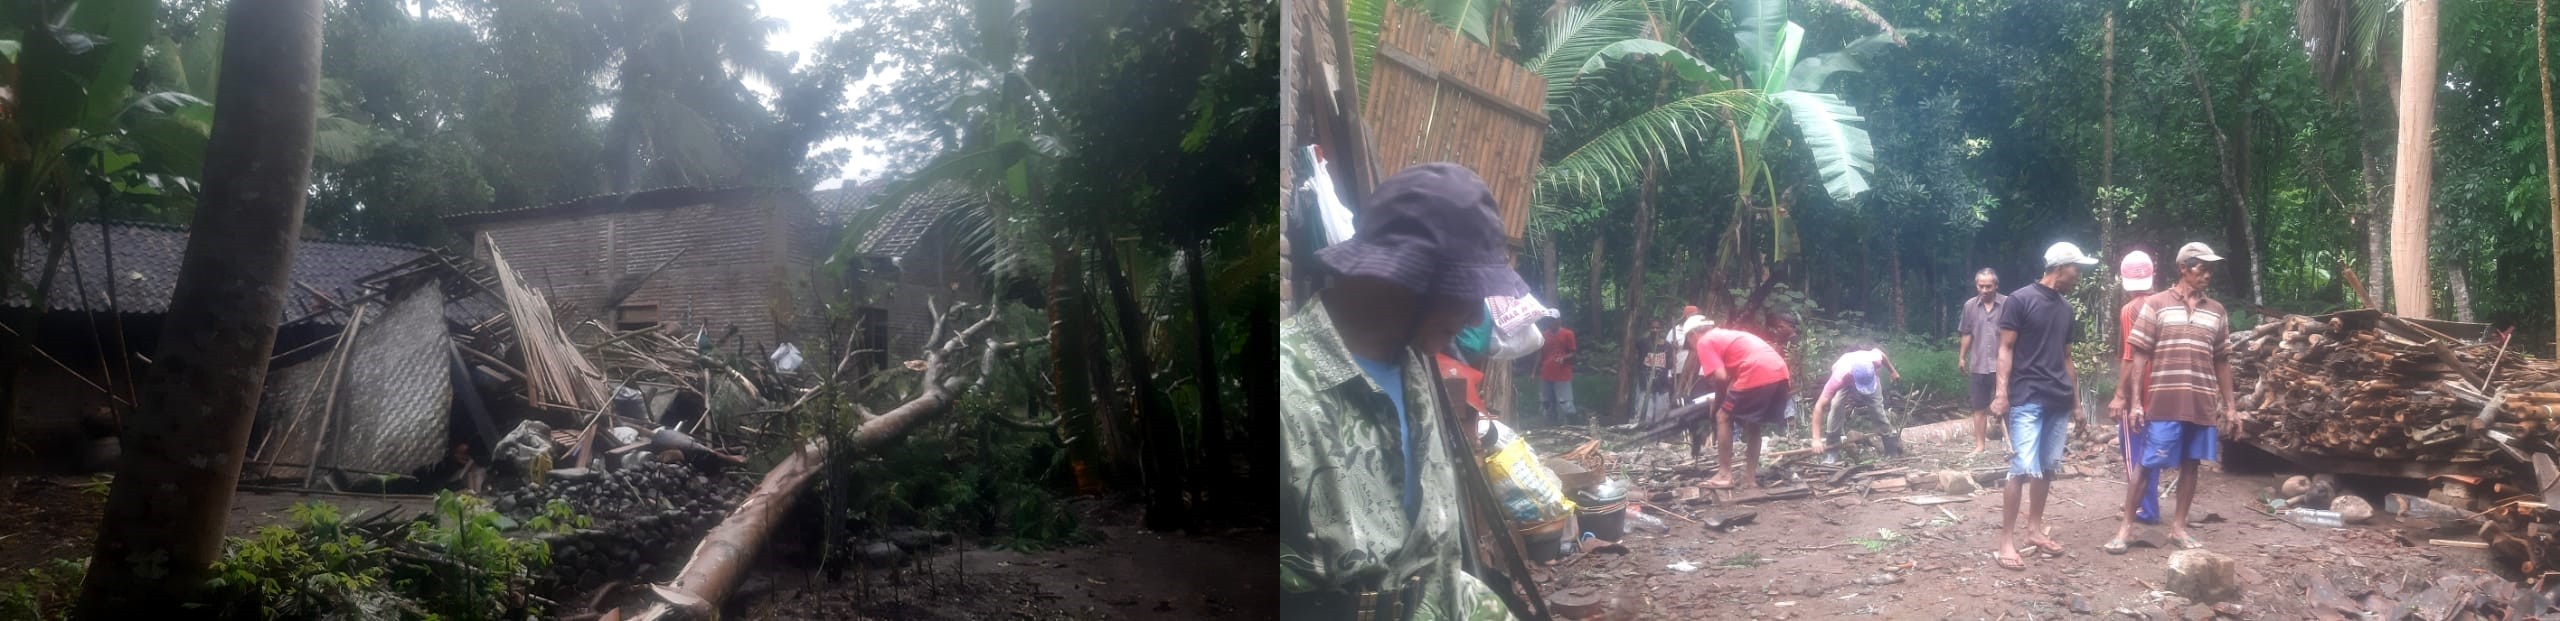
{"x": 147, "y": 257}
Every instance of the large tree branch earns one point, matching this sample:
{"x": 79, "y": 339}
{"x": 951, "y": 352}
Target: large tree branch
{"x": 725, "y": 552}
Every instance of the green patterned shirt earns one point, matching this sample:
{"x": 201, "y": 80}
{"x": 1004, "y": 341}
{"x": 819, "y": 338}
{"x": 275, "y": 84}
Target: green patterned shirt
{"x": 1342, "y": 526}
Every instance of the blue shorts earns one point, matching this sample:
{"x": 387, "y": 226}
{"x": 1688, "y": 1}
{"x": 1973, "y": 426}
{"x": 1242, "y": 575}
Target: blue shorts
{"x": 2170, "y": 443}
{"x": 2036, "y": 439}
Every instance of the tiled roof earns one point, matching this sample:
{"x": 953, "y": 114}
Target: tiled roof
{"x": 898, "y": 233}
{"x": 146, "y": 268}
{"x": 836, "y": 206}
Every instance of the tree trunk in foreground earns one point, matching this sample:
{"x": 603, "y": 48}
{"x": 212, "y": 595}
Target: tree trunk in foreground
{"x": 2550, "y": 149}
{"x": 183, "y": 447}
{"x": 1216, "y": 468}
{"x": 1163, "y": 453}
{"x": 2414, "y": 181}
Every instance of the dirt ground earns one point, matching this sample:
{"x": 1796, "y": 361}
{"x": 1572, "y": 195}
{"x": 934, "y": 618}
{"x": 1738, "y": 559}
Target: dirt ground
{"x": 1127, "y": 573}
{"x": 1824, "y": 557}
{"x": 51, "y": 517}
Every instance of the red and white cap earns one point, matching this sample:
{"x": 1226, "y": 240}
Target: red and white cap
{"x": 2137, "y": 271}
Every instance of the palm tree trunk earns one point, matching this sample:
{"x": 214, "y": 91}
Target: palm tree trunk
{"x": 1547, "y": 269}
{"x": 2376, "y": 124}
{"x": 1262, "y": 399}
{"x": 2550, "y": 148}
{"x": 1216, "y": 463}
{"x": 1163, "y": 446}
{"x": 184, "y": 446}
{"x": 1595, "y": 270}
{"x": 1073, "y": 389}
{"x": 2414, "y": 178}
{"x": 1631, "y": 297}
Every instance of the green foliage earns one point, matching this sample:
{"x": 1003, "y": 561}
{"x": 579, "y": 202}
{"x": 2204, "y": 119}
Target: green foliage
{"x": 478, "y": 572}
{"x": 558, "y": 518}
{"x": 46, "y": 592}
{"x": 317, "y": 567}
{"x": 1929, "y": 364}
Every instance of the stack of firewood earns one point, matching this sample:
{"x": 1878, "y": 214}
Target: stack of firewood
{"x": 2370, "y": 385}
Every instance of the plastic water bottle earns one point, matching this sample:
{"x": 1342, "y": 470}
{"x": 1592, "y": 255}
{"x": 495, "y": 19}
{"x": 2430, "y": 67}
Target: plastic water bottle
{"x": 1645, "y": 521}
{"x": 2315, "y": 517}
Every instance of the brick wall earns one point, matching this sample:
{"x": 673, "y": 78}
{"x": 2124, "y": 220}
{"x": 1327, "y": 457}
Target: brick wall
{"x": 744, "y": 264}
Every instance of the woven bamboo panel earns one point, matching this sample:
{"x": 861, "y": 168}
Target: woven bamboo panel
{"x": 1435, "y": 96}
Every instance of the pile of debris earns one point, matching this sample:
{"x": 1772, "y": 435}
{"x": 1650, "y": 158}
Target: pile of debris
{"x": 2368, "y": 385}
{"x": 2457, "y": 596}
{"x": 644, "y": 517}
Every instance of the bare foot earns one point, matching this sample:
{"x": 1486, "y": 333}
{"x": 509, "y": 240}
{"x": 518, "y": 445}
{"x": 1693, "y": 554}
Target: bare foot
{"x": 1720, "y": 482}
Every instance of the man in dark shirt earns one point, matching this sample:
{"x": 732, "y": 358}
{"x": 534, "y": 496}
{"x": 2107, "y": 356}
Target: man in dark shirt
{"x": 2036, "y": 393}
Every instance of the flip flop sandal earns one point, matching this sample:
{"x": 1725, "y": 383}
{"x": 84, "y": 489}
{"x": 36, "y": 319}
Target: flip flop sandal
{"x": 2187, "y": 542}
{"x": 2056, "y": 549}
{"x": 2020, "y": 564}
{"x": 2117, "y": 546}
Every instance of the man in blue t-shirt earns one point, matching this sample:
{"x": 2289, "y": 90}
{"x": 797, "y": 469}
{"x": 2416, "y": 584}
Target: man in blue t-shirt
{"x": 2035, "y": 392}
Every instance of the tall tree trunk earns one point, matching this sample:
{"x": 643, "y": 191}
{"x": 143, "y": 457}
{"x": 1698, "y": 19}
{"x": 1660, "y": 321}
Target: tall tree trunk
{"x": 2550, "y": 148}
{"x": 1631, "y": 297}
{"x": 2414, "y": 181}
{"x": 2107, "y": 124}
{"x": 2375, "y": 118}
{"x": 1595, "y": 270}
{"x": 1073, "y": 394}
{"x": 1164, "y": 456}
{"x": 1893, "y": 272}
{"x": 1548, "y": 273}
{"x": 1262, "y": 399}
{"x": 2236, "y": 221}
{"x": 1216, "y": 466}
{"x": 182, "y": 449}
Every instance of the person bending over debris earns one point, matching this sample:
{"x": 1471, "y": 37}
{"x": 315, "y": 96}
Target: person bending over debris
{"x": 1856, "y": 369}
{"x": 1371, "y": 522}
{"x": 2180, "y": 337}
{"x": 1753, "y": 382}
{"x": 1978, "y": 350}
{"x": 2036, "y": 330}
{"x": 2143, "y": 484}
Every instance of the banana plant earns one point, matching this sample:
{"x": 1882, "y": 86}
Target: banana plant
{"x": 1793, "y": 85}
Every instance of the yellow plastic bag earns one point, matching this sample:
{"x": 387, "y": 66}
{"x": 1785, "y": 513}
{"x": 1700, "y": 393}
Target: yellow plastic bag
{"x": 1530, "y": 492}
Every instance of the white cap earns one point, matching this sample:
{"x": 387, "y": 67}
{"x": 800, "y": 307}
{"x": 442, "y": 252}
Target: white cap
{"x": 2063, "y": 253}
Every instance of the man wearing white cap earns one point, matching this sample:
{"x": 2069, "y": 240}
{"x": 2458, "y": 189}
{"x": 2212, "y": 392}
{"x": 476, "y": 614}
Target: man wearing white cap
{"x": 2180, "y": 341}
{"x": 2036, "y": 393}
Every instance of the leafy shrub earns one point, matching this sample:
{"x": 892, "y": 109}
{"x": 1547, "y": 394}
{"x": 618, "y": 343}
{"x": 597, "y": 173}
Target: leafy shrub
{"x": 476, "y": 572}
{"x": 1929, "y": 364}
{"x": 318, "y": 567}
{"x": 46, "y": 592}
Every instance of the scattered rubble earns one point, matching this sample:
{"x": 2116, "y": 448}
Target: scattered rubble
{"x": 2203, "y": 576}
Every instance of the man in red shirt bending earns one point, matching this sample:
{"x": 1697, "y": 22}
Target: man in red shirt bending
{"x": 1555, "y": 369}
{"x": 1753, "y": 380}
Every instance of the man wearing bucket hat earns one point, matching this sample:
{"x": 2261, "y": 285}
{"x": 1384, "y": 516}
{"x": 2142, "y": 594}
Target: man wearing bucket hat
{"x": 1371, "y": 521}
{"x": 2180, "y": 340}
{"x": 2035, "y": 392}
{"x": 1858, "y": 372}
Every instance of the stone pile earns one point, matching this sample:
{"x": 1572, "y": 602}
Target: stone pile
{"x": 642, "y": 520}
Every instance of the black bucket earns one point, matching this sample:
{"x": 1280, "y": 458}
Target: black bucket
{"x": 1545, "y": 540}
{"x": 1608, "y": 522}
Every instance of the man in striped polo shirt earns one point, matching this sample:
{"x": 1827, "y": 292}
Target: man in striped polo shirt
{"x": 2180, "y": 337}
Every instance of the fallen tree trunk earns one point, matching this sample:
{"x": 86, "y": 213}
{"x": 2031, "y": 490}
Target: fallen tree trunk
{"x": 725, "y": 553}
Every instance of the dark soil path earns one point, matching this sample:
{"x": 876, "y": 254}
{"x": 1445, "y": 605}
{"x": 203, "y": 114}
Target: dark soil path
{"x": 1867, "y": 555}
{"x": 48, "y": 517}
{"x": 1127, "y": 573}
